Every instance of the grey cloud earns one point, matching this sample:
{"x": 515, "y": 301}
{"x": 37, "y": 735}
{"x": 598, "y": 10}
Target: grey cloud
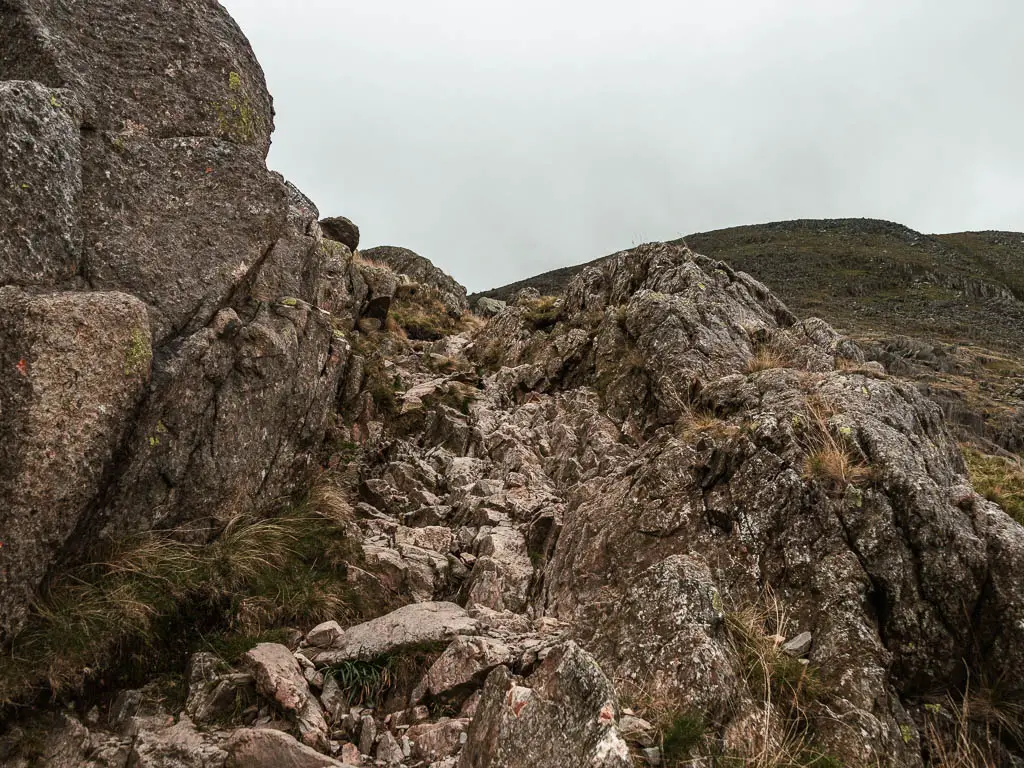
{"x": 500, "y": 140}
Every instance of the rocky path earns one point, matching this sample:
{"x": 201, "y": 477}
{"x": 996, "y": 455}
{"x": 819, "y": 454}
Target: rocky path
{"x": 671, "y": 510}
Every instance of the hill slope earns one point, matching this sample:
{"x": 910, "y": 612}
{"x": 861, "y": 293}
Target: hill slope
{"x": 869, "y": 275}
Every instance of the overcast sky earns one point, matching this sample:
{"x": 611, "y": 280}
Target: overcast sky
{"x": 503, "y": 139}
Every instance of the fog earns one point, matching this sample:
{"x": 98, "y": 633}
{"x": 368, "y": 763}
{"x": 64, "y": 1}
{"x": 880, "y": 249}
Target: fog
{"x": 505, "y": 139}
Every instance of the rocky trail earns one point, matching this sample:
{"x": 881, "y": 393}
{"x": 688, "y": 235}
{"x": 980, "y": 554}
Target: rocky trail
{"x": 273, "y": 501}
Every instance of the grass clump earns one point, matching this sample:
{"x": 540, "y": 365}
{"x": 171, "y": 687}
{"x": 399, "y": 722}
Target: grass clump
{"x": 384, "y": 389}
{"x": 153, "y": 591}
{"x": 834, "y": 464}
{"x": 786, "y": 688}
{"x": 777, "y": 678}
{"x": 787, "y": 691}
{"x": 362, "y": 682}
{"x": 541, "y": 314}
{"x": 998, "y": 479}
{"x": 370, "y": 682}
{"x": 972, "y": 729}
{"x": 418, "y": 313}
{"x": 682, "y": 733}
{"x": 768, "y": 356}
{"x": 830, "y": 456}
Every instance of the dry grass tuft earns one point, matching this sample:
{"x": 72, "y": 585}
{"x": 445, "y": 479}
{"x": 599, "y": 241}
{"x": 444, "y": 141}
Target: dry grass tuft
{"x": 779, "y": 680}
{"x": 835, "y": 465}
{"x": 785, "y": 688}
{"x": 391, "y": 326}
{"x": 770, "y": 352}
{"x": 542, "y": 313}
{"x": 768, "y": 357}
{"x": 417, "y": 313}
{"x": 358, "y": 258}
{"x": 831, "y": 457}
{"x": 998, "y": 479}
{"x": 255, "y": 575}
{"x": 970, "y": 732}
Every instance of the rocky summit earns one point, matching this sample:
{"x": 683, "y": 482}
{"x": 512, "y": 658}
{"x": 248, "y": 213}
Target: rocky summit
{"x": 271, "y": 501}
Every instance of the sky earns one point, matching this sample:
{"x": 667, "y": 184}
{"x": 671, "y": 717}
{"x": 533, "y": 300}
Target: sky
{"x": 504, "y": 139}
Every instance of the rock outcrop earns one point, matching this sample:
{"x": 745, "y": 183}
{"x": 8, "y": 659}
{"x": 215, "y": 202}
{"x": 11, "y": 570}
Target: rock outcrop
{"x": 658, "y": 520}
{"x": 423, "y": 272}
{"x": 134, "y": 138}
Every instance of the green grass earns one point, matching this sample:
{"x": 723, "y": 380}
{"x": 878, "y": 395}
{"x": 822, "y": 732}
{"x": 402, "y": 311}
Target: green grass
{"x": 683, "y": 732}
{"x": 369, "y": 681}
{"x": 999, "y": 480}
{"x": 421, "y": 315}
{"x": 362, "y": 682}
{"x": 153, "y": 592}
{"x": 543, "y": 313}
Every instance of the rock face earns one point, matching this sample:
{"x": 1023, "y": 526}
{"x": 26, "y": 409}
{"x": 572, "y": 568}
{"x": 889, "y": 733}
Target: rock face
{"x": 75, "y": 365}
{"x": 563, "y": 714}
{"x": 422, "y": 271}
{"x": 40, "y": 184}
{"x": 134, "y": 138}
{"x": 674, "y": 453}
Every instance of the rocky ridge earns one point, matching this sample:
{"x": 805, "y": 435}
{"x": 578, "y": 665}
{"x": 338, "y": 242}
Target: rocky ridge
{"x": 660, "y": 520}
{"x": 942, "y": 310}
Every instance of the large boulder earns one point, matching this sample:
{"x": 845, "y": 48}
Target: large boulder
{"x": 464, "y": 663}
{"x": 267, "y": 748}
{"x": 40, "y": 184}
{"x": 210, "y": 212}
{"x": 74, "y": 367}
{"x": 565, "y": 713}
{"x": 140, "y": 155}
{"x": 279, "y": 678}
{"x": 341, "y": 230}
{"x": 179, "y": 122}
{"x": 409, "y": 627}
{"x": 234, "y": 419}
{"x": 170, "y": 68}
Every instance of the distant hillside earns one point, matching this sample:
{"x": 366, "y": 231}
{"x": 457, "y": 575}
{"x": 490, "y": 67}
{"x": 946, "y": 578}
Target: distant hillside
{"x": 865, "y": 275}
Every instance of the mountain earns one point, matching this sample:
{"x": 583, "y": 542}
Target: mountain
{"x": 866, "y": 276}
{"x": 269, "y": 501}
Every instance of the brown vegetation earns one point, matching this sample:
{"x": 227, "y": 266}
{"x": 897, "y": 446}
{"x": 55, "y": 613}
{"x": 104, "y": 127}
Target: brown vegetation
{"x": 254, "y": 576}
